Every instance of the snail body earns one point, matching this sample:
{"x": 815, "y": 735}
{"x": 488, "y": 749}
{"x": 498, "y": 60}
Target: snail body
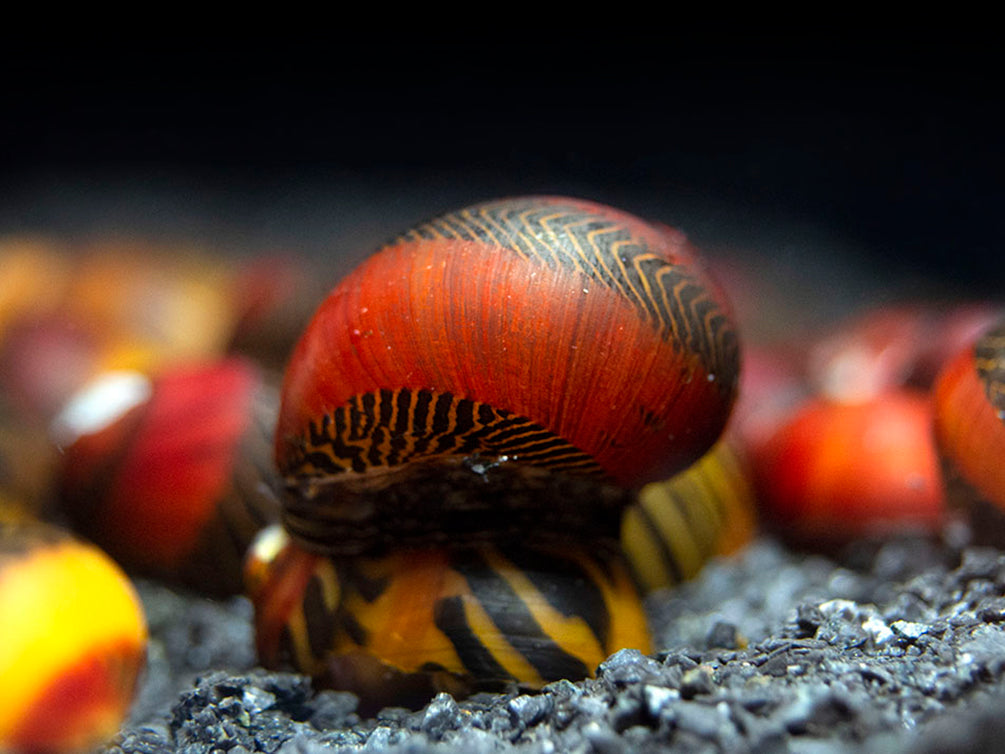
{"x": 528, "y": 333}
{"x": 402, "y": 626}
{"x": 74, "y": 640}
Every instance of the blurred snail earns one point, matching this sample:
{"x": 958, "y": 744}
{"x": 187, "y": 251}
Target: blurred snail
{"x": 970, "y": 429}
{"x": 855, "y": 457}
{"x": 171, "y": 474}
{"x": 836, "y": 472}
{"x": 902, "y": 345}
{"x": 68, "y": 315}
{"x": 508, "y": 370}
{"x": 397, "y": 628}
{"x": 74, "y": 640}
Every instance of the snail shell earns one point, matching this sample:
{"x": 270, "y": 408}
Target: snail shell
{"x": 837, "y": 472}
{"x": 171, "y": 474}
{"x": 970, "y": 429}
{"x": 676, "y": 526}
{"x": 520, "y": 335}
{"x": 397, "y": 628}
{"x": 74, "y": 641}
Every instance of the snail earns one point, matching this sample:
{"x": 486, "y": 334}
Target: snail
{"x": 835, "y": 472}
{"x": 396, "y": 628}
{"x": 74, "y": 640}
{"x": 518, "y": 351}
{"x": 170, "y": 474}
{"x": 68, "y": 315}
{"x": 463, "y": 425}
{"x": 970, "y": 431}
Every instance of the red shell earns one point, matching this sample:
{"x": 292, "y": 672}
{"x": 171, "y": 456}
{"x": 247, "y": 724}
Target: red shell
{"x": 836, "y": 472}
{"x": 970, "y": 415}
{"x": 155, "y": 486}
{"x": 586, "y": 321}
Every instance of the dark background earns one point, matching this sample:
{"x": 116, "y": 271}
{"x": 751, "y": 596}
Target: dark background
{"x": 889, "y": 145}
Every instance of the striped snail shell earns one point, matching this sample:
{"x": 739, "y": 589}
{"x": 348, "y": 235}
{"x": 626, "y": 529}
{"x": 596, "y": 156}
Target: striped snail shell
{"x": 970, "y": 431}
{"x": 494, "y": 357}
{"x": 677, "y": 525}
{"x": 399, "y": 627}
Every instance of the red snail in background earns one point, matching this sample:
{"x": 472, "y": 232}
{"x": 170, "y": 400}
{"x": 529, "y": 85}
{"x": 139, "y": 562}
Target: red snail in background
{"x": 160, "y": 444}
{"x": 464, "y": 423}
{"x": 74, "y": 640}
{"x": 858, "y": 458}
{"x": 509, "y": 349}
{"x": 970, "y": 430}
{"x": 837, "y": 472}
{"x": 171, "y": 474}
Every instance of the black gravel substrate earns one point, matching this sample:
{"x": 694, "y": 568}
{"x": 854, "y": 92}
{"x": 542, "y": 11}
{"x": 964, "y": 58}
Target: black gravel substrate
{"x": 898, "y": 647}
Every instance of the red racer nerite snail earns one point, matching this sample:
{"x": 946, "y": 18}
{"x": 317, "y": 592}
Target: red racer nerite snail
{"x": 464, "y": 423}
{"x": 503, "y": 351}
{"x": 970, "y": 430}
{"x": 170, "y": 473}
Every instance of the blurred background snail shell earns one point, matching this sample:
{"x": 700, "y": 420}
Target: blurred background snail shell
{"x": 171, "y": 474}
{"x": 835, "y": 473}
{"x": 491, "y": 343}
{"x": 73, "y": 640}
{"x": 970, "y": 430}
{"x": 397, "y": 628}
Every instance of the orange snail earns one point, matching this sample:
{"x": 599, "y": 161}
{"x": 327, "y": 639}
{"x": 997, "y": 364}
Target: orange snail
{"x": 74, "y": 640}
{"x": 970, "y": 430}
{"x": 859, "y": 458}
{"x": 491, "y": 387}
